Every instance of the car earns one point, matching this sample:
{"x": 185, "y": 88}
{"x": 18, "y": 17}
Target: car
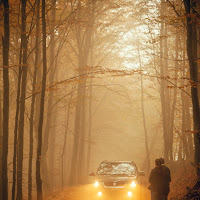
{"x": 116, "y": 178}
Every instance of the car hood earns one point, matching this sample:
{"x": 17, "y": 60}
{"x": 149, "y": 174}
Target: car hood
{"x": 103, "y": 178}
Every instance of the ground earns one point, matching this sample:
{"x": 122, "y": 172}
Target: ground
{"x": 86, "y": 192}
{"x": 183, "y": 175}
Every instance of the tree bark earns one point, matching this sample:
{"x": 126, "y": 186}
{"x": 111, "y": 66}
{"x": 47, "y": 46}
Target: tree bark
{"x": 90, "y": 115}
{"x": 16, "y": 125}
{"x": 174, "y": 100}
{"x": 1, "y": 136}
{"x": 84, "y": 52}
{"x": 187, "y": 102}
{"x": 163, "y": 88}
{"x": 180, "y": 150}
{"x": 33, "y": 101}
{"x": 5, "y": 100}
{"x": 22, "y": 103}
{"x": 185, "y": 120}
{"x": 52, "y": 153}
{"x": 143, "y": 115}
{"x": 65, "y": 138}
{"x": 184, "y": 139}
{"x": 192, "y": 57}
{"x": 188, "y": 126}
{"x": 83, "y": 41}
{"x": 40, "y": 126}
{"x": 47, "y": 130}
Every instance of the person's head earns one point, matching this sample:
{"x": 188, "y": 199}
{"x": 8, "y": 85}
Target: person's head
{"x": 162, "y": 161}
{"x": 158, "y": 163}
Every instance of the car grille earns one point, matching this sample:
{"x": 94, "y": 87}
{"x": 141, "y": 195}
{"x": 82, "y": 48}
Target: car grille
{"x": 115, "y": 184}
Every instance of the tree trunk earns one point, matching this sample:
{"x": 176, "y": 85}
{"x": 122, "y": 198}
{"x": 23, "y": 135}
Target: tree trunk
{"x": 188, "y": 126}
{"x": 90, "y": 115}
{"x": 1, "y": 136}
{"x": 52, "y": 153}
{"x": 5, "y": 100}
{"x": 33, "y": 101}
{"x": 83, "y": 60}
{"x": 174, "y": 100}
{"x": 192, "y": 57}
{"x": 40, "y": 126}
{"x": 180, "y": 150}
{"x": 143, "y": 114}
{"x": 163, "y": 88}
{"x": 47, "y": 130}
{"x": 73, "y": 174}
{"x": 16, "y": 125}
{"x": 185, "y": 121}
{"x": 184, "y": 140}
{"x": 188, "y": 122}
{"x": 82, "y": 156}
{"x": 22, "y": 103}
{"x": 78, "y": 163}
{"x": 65, "y": 138}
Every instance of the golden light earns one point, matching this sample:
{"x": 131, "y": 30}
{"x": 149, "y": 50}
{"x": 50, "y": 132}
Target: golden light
{"x": 99, "y": 193}
{"x": 96, "y": 184}
{"x": 133, "y": 184}
{"x": 130, "y": 194}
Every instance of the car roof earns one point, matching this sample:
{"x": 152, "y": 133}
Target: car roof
{"x": 118, "y": 161}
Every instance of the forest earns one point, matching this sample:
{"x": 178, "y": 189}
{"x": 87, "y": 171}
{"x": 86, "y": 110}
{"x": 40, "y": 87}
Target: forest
{"x": 86, "y": 81}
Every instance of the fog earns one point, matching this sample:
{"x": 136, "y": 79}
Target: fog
{"x": 89, "y": 81}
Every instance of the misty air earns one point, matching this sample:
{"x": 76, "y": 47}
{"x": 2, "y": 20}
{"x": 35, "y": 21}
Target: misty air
{"x": 99, "y": 100}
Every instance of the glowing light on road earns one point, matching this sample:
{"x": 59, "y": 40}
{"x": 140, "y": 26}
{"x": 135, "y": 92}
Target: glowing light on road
{"x": 133, "y": 184}
{"x": 130, "y": 194}
{"x": 99, "y": 193}
{"x": 96, "y": 184}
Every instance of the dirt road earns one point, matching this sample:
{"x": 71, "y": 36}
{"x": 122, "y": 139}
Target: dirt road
{"x": 88, "y": 192}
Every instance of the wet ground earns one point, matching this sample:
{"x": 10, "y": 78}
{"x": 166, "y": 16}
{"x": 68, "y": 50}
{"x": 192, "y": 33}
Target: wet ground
{"x": 89, "y": 192}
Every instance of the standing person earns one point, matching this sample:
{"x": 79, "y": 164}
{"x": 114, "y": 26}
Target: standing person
{"x": 155, "y": 180}
{"x": 166, "y": 179}
{"x": 159, "y": 180}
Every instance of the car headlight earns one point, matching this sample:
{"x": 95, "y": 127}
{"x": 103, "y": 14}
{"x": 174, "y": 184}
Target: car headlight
{"x": 133, "y": 184}
{"x": 96, "y": 184}
{"x": 129, "y": 194}
{"x": 99, "y": 193}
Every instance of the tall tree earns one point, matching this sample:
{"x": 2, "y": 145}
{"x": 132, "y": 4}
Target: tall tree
{"x": 22, "y": 102}
{"x": 16, "y": 125}
{"x": 33, "y": 99}
{"x": 1, "y": 136}
{"x": 6, "y": 38}
{"x": 83, "y": 40}
{"x": 173, "y": 104}
{"x": 186, "y": 122}
{"x": 47, "y": 130}
{"x": 40, "y": 126}
{"x": 190, "y": 6}
{"x": 143, "y": 113}
{"x": 163, "y": 83}
{"x": 90, "y": 113}
{"x": 68, "y": 111}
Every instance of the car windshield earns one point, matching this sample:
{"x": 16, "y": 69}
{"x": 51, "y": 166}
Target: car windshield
{"x": 126, "y": 169}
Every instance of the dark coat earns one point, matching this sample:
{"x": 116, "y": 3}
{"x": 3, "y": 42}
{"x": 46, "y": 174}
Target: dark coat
{"x": 159, "y": 179}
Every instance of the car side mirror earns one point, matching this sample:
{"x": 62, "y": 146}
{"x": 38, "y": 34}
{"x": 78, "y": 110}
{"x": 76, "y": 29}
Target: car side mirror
{"x": 141, "y": 173}
{"x": 92, "y": 174}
